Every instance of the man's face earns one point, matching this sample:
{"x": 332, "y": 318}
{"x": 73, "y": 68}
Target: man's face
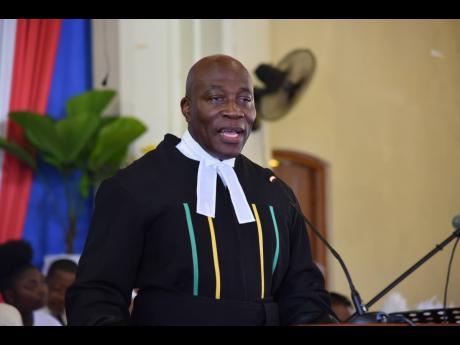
{"x": 220, "y": 109}
{"x": 58, "y": 285}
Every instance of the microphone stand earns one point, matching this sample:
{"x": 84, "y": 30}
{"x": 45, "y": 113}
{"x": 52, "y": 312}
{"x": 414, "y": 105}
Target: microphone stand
{"x": 361, "y": 316}
{"x": 356, "y": 298}
{"x": 438, "y": 248}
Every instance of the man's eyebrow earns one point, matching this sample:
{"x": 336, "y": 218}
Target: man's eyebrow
{"x": 245, "y": 89}
{"x": 220, "y": 87}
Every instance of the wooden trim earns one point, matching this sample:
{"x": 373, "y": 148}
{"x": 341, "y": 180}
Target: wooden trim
{"x": 301, "y": 158}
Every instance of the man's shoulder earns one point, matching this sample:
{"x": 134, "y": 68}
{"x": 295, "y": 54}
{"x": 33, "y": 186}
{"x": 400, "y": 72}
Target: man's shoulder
{"x": 264, "y": 180}
{"x": 151, "y": 162}
{"x": 254, "y": 169}
{"x": 150, "y": 171}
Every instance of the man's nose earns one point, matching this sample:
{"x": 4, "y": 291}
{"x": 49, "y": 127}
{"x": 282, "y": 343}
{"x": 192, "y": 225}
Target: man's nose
{"x": 232, "y": 109}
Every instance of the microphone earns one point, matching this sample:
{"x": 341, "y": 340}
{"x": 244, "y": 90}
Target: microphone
{"x": 356, "y": 298}
{"x": 456, "y": 222}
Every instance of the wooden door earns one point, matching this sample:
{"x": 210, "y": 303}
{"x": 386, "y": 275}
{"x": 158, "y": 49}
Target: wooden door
{"x": 306, "y": 175}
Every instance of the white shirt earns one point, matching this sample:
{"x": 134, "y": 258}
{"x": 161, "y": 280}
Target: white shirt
{"x": 207, "y": 177}
{"x": 43, "y": 318}
{"x": 9, "y": 315}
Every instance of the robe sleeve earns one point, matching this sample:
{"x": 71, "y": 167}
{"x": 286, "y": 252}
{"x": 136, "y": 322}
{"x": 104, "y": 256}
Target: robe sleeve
{"x": 107, "y": 269}
{"x": 302, "y": 297}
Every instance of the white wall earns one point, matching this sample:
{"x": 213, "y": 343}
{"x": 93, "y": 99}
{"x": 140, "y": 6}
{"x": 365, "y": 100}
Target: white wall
{"x": 145, "y": 76}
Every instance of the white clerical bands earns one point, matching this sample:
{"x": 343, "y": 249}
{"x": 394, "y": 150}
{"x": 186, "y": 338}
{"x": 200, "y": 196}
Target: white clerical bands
{"x": 207, "y": 177}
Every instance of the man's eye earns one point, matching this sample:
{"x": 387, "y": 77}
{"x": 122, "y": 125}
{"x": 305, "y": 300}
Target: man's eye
{"x": 215, "y": 98}
{"x": 246, "y": 99}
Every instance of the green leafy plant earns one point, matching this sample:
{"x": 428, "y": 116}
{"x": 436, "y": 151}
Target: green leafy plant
{"x": 83, "y": 141}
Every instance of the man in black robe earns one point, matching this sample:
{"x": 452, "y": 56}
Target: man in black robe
{"x": 199, "y": 230}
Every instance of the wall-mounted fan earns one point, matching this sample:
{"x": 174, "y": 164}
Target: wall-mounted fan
{"x": 284, "y": 84}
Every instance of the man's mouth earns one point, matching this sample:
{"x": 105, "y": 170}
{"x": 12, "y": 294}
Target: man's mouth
{"x": 231, "y": 134}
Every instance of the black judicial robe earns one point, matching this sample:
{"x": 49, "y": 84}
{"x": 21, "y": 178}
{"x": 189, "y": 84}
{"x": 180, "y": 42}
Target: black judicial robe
{"x": 191, "y": 269}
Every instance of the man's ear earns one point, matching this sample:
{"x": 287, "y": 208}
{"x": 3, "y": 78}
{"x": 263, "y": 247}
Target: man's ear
{"x": 185, "y": 107}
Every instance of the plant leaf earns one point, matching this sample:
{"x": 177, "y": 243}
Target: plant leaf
{"x": 18, "y": 152}
{"x": 93, "y": 101}
{"x": 113, "y": 138}
{"x": 111, "y": 167}
{"x": 54, "y": 162}
{"x": 74, "y": 133}
{"x": 41, "y": 133}
{"x": 82, "y": 160}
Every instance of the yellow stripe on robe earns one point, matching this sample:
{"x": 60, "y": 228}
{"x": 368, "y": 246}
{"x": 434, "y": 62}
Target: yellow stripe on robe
{"x": 215, "y": 256}
{"x": 261, "y": 250}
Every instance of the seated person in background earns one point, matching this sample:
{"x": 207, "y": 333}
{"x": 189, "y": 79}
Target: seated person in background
{"x": 341, "y": 306}
{"x": 61, "y": 275}
{"x": 22, "y": 285}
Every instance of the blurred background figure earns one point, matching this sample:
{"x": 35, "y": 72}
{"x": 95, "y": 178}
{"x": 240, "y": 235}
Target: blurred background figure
{"x": 341, "y": 306}
{"x": 60, "y": 276}
{"x": 22, "y": 285}
{"x": 9, "y": 315}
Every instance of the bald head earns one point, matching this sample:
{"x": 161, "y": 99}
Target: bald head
{"x": 219, "y": 105}
{"x": 208, "y": 63}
